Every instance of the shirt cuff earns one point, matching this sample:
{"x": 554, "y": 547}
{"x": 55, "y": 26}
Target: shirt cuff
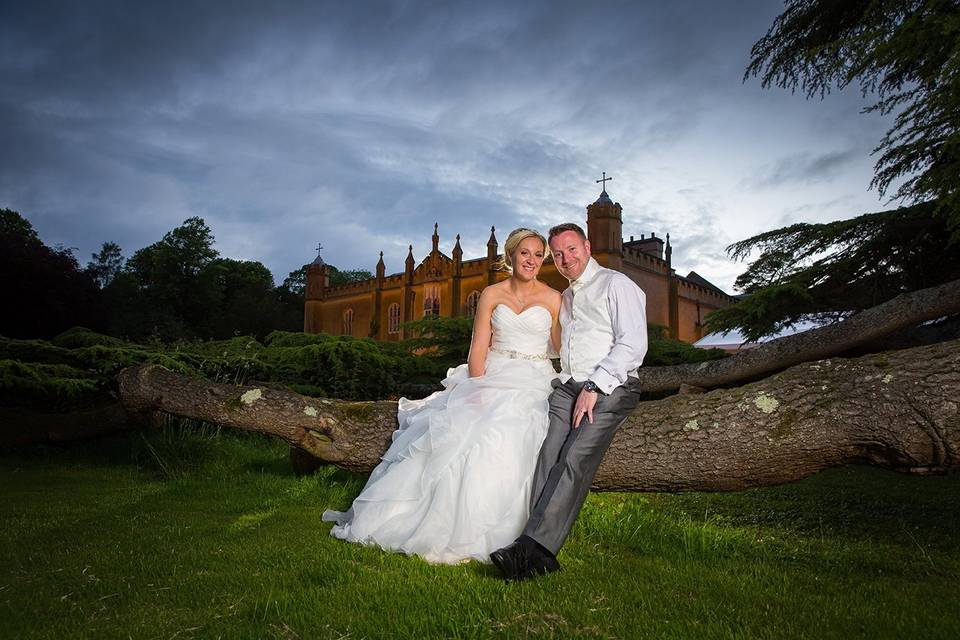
{"x": 604, "y": 380}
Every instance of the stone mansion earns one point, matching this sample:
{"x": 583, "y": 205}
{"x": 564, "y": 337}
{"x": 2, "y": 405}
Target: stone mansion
{"x": 443, "y": 285}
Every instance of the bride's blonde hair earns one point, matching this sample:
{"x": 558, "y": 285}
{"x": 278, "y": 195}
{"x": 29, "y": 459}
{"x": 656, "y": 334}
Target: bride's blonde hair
{"x": 513, "y": 241}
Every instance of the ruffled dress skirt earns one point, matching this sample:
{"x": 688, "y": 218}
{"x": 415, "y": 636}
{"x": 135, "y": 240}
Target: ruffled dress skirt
{"x": 455, "y": 483}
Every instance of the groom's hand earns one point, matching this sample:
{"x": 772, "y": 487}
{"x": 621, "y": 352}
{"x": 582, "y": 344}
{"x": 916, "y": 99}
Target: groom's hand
{"x": 584, "y": 407}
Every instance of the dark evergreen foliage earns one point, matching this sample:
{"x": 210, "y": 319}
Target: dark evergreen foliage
{"x": 831, "y": 270}
{"x": 78, "y": 368}
{"x": 445, "y": 338}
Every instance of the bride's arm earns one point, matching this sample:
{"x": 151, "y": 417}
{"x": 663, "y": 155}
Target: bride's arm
{"x": 482, "y": 333}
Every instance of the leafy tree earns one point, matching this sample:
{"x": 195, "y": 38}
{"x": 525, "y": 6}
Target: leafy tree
{"x": 44, "y": 291}
{"x": 296, "y": 282}
{"x": 17, "y": 227}
{"x": 165, "y": 295}
{"x": 834, "y": 269}
{"x": 290, "y": 296}
{"x": 338, "y": 277}
{"x": 247, "y": 304}
{"x": 907, "y": 53}
{"x": 106, "y": 264}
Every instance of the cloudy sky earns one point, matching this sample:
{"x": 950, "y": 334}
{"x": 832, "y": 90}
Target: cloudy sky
{"x": 359, "y": 124}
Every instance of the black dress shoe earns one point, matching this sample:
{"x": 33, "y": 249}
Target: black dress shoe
{"x": 540, "y": 565}
{"x": 512, "y": 560}
{"x": 523, "y": 559}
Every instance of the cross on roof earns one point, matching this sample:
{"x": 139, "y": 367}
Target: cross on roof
{"x": 603, "y": 181}
{"x": 319, "y": 248}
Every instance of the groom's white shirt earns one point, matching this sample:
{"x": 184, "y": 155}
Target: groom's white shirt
{"x": 603, "y": 318}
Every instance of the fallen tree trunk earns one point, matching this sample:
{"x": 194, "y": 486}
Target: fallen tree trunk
{"x": 906, "y": 310}
{"x": 898, "y": 410}
{"x": 351, "y": 435}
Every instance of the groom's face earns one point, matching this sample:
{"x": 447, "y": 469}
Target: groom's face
{"x": 570, "y": 254}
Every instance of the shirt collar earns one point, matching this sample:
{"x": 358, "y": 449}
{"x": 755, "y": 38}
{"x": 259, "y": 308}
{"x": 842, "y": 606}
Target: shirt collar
{"x": 591, "y": 270}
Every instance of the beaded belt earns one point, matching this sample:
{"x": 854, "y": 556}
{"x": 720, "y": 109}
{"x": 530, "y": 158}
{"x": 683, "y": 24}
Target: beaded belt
{"x": 516, "y": 355}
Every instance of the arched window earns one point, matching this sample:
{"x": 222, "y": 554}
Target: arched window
{"x": 472, "y": 300}
{"x": 348, "y": 322}
{"x": 431, "y": 300}
{"x": 393, "y": 318}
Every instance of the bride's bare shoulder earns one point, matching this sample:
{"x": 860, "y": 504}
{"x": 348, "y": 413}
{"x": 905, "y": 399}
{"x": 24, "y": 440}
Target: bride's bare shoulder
{"x": 492, "y": 295}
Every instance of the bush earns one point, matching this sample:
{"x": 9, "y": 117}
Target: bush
{"x": 46, "y": 386}
{"x": 83, "y": 337}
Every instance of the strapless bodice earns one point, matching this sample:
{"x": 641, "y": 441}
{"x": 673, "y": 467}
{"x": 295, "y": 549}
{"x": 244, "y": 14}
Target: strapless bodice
{"x": 524, "y": 333}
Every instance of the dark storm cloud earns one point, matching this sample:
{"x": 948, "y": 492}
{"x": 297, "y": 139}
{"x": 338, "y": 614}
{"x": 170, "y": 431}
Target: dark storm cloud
{"x": 804, "y": 168}
{"x": 361, "y": 124}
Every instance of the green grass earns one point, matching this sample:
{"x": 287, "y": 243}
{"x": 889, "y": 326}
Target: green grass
{"x": 206, "y": 535}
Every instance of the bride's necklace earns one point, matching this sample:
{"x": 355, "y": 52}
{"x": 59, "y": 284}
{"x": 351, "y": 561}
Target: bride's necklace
{"x": 522, "y": 301}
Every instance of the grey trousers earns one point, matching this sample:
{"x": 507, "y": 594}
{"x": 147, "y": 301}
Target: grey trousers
{"x": 569, "y": 459}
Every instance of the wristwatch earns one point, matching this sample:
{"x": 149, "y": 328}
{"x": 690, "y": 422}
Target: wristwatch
{"x": 590, "y": 385}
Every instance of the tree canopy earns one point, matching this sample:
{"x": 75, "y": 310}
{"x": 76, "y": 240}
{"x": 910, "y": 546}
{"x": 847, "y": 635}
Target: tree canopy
{"x": 907, "y": 53}
{"x": 176, "y": 288}
{"x": 43, "y": 288}
{"x": 833, "y": 269}
{"x": 180, "y": 287}
{"x": 346, "y": 276}
{"x": 106, "y": 263}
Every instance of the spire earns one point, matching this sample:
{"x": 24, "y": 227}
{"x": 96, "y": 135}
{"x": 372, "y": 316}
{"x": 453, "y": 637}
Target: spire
{"x": 381, "y": 267}
{"x": 669, "y": 250}
{"x": 492, "y": 257}
{"x": 457, "y": 259}
{"x": 410, "y": 261}
{"x": 436, "y": 238}
{"x": 318, "y": 260}
{"x": 604, "y": 198}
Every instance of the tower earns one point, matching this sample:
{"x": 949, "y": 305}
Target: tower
{"x": 317, "y": 281}
{"x": 605, "y": 229}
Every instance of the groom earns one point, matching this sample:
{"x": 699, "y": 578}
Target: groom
{"x": 604, "y": 339}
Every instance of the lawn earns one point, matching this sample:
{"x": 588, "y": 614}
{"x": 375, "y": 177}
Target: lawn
{"x": 201, "y": 534}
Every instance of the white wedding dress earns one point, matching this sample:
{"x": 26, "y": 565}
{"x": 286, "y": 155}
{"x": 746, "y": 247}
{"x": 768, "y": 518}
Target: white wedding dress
{"x": 455, "y": 483}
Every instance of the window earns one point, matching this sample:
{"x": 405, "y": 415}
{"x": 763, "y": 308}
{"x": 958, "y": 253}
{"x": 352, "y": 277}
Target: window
{"x": 348, "y": 322}
{"x": 393, "y": 318}
{"x": 431, "y": 301}
{"x": 472, "y": 300}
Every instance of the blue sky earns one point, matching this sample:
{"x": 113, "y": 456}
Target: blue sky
{"x": 360, "y": 124}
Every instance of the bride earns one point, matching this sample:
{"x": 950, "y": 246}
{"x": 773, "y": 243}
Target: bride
{"x": 455, "y": 483}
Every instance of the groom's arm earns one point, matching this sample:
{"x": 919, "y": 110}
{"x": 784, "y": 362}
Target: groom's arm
{"x": 628, "y": 315}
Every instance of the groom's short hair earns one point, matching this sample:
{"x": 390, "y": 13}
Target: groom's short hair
{"x": 563, "y": 228}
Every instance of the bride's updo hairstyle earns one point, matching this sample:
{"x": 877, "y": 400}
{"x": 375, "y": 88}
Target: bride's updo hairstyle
{"x": 513, "y": 241}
